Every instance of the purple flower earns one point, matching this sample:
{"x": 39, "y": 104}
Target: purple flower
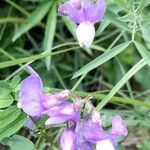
{"x": 33, "y": 100}
{"x": 93, "y": 132}
{"x": 31, "y": 95}
{"x": 88, "y": 132}
{"x": 66, "y": 111}
{"x": 86, "y": 14}
{"x": 67, "y": 139}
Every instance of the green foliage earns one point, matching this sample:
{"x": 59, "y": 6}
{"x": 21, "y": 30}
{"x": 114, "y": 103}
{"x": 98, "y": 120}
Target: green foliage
{"x": 115, "y": 71}
{"x": 16, "y": 142}
{"x": 13, "y": 126}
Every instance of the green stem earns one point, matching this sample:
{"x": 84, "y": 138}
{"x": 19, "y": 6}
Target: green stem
{"x": 18, "y": 7}
{"x": 38, "y": 142}
{"x": 113, "y": 99}
{"x": 11, "y": 20}
{"x": 33, "y": 58}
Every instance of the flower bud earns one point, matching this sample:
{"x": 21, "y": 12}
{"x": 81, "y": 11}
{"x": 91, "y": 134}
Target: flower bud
{"x": 85, "y": 34}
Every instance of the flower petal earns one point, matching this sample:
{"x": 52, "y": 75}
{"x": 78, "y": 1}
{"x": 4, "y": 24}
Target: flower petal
{"x": 85, "y": 145}
{"x": 55, "y": 120}
{"x": 105, "y": 145}
{"x": 98, "y": 11}
{"x": 62, "y": 113}
{"x": 118, "y": 126}
{"x": 76, "y": 15}
{"x": 85, "y": 34}
{"x": 56, "y": 99}
{"x": 67, "y": 139}
{"x": 31, "y": 95}
{"x": 80, "y": 11}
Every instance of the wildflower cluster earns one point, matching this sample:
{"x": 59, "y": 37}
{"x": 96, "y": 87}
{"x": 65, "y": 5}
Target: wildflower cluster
{"x": 83, "y": 131}
{"x": 86, "y": 13}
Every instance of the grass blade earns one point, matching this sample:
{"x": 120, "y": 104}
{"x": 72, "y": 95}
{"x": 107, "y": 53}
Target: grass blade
{"x": 124, "y": 79}
{"x": 101, "y": 59}
{"x": 50, "y": 33}
{"x": 143, "y": 51}
{"x": 32, "y": 20}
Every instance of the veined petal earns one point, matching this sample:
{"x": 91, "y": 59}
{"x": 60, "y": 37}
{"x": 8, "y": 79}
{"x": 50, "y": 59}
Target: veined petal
{"x": 80, "y": 10}
{"x": 95, "y": 134}
{"x": 55, "y": 110}
{"x": 118, "y": 126}
{"x": 104, "y": 145}
{"x": 31, "y": 95}
{"x": 58, "y": 119}
{"x": 98, "y": 11}
{"x": 55, "y": 120}
{"x": 62, "y": 113}
{"x": 67, "y": 139}
{"x": 56, "y": 99}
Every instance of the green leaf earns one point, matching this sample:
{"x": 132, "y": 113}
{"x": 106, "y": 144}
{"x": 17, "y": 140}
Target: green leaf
{"x": 124, "y": 79}
{"x": 32, "y": 20}
{"x": 121, "y": 3}
{"x": 15, "y": 81}
{"x": 50, "y": 32}
{"x": 140, "y": 77}
{"x": 5, "y": 99}
{"x": 18, "y": 142}
{"x": 13, "y": 127}
{"x": 102, "y": 26}
{"x": 71, "y": 26}
{"x": 143, "y": 51}
{"x": 101, "y": 59}
{"x": 8, "y": 115}
{"x": 112, "y": 17}
{"x": 5, "y": 87}
{"x": 142, "y": 5}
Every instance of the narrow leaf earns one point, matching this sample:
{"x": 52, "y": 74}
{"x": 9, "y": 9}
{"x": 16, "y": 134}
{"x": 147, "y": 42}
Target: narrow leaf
{"x": 144, "y": 53}
{"x": 124, "y": 79}
{"x": 71, "y": 26}
{"x": 50, "y": 33}
{"x": 32, "y": 20}
{"x": 101, "y": 59}
{"x": 112, "y": 17}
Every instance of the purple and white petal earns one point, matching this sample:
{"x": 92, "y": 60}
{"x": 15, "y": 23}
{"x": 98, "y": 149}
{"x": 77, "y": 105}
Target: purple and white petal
{"x": 31, "y": 95}
{"x": 67, "y": 139}
{"x": 118, "y": 126}
{"x": 55, "y": 120}
{"x": 56, "y": 99}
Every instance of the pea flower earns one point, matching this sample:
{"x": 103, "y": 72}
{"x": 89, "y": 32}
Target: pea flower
{"x": 66, "y": 111}
{"x": 86, "y": 14}
{"x": 89, "y": 133}
{"x": 32, "y": 98}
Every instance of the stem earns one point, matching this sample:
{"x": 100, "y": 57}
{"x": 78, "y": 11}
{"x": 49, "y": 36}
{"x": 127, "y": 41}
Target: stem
{"x": 18, "y": 7}
{"x": 38, "y": 142}
{"x": 117, "y": 99}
